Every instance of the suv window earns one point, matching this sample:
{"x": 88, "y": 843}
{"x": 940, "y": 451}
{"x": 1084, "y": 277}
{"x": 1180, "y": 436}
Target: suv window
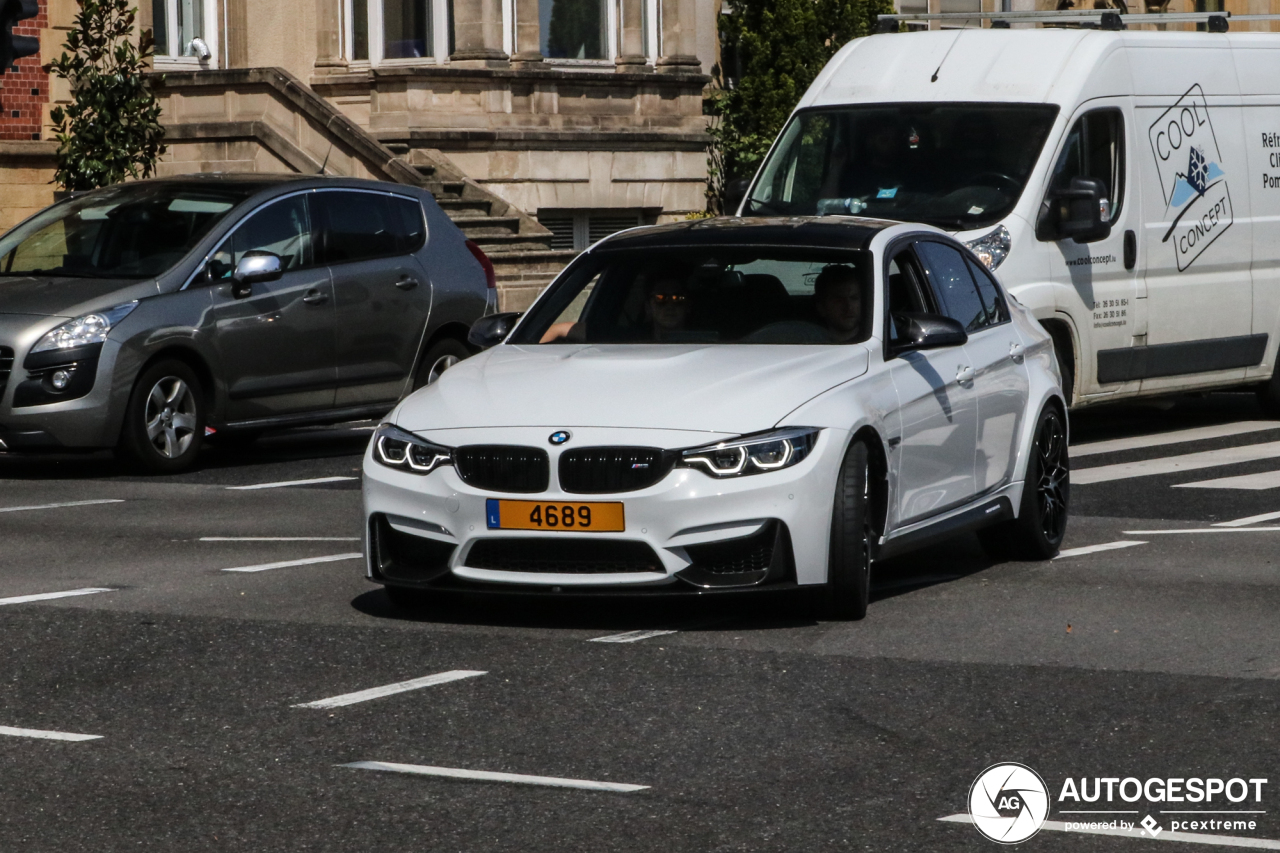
{"x": 282, "y": 229}
{"x": 1095, "y": 149}
{"x": 953, "y": 286}
{"x": 360, "y": 225}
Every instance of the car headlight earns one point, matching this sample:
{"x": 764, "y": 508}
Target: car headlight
{"x": 84, "y": 330}
{"x": 752, "y": 454}
{"x": 396, "y": 448}
{"x": 992, "y": 248}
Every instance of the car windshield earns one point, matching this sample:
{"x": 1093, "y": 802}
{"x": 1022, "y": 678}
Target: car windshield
{"x": 129, "y": 231}
{"x": 956, "y": 166}
{"x": 706, "y": 295}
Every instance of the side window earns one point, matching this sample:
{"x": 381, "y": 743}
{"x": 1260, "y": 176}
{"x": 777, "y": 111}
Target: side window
{"x": 1095, "y": 149}
{"x": 360, "y": 225}
{"x": 905, "y": 295}
{"x": 282, "y": 229}
{"x": 989, "y": 291}
{"x": 952, "y": 284}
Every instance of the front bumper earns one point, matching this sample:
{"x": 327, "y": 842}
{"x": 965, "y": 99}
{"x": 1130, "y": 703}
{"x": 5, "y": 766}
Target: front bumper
{"x": 689, "y": 532}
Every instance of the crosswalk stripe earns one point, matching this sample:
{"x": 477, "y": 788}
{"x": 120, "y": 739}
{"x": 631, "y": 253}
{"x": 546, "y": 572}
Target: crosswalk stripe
{"x": 1251, "y": 482}
{"x": 1175, "y": 464}
{"x": 1138, "y": 442}
{"x": 632, "y": 636}
{"x": 1252, "y": 519}
{"x": 1094, "y": 549}
{"x": 392, "y": 689}
{"x": 489, "y": 776}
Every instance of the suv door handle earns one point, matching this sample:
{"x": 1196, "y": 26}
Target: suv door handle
{"x": 315, "y": 297}
{"x": 406, "y": 283}
{"x": 1016, "y": 352}
{"x": 964, "y": 373}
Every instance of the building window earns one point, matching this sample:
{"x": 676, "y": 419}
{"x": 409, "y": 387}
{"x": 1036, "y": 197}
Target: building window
{"x": 575, "y": 29}
{"x": 186, "y": 32}
{"x": 393, "y": 30}
{"x": 580, "y": 229}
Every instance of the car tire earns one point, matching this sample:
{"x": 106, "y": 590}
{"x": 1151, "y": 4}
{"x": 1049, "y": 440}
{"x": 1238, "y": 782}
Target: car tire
{"x": 442, "y": 355}
{"x": 848, "y": 587}
{"x": 164, "y": 421}
{"x": 1037, "y": 532}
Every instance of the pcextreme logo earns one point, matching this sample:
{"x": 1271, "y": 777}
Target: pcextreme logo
{"x": 1191, "y": 177}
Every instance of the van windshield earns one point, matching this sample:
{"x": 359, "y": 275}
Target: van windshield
{"x": 956, "y": 166}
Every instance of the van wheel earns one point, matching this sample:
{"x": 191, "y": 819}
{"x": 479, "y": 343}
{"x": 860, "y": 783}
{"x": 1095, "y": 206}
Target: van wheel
{"x": 848, "y": 587}
{"x": 1037, "y": 532}
{"x": 164, "y": 420}
{"x": 443, "y": 354}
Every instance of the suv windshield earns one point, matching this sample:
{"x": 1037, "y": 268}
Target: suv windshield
{"x": 707, "y": 295}
{"x": 956, "y": 166}
{"x": 128, "y": 231}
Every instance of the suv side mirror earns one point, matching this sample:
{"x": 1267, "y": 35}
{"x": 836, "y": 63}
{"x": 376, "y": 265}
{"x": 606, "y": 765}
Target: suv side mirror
{"x": 927, "y": 331}
{"x": 734, "y": 193}
{"x": 492, "y": 330}
{"x": 253, "y": 268}
{"x": 1081, "y": 212}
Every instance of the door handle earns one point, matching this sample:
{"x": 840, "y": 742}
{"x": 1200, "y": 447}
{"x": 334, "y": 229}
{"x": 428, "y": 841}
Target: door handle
{"x": 406, "y": 283}
{"x": 1016, "y": 352}
{"x": 315, "y": 297}
{"x": 964, "y": 373}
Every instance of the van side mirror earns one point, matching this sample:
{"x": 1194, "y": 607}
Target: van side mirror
{"x": 253, "y": 268}
{"x": 734, "y": 193}
{"x": 1081, "y": 211}
{"x": 492, "y": 330}
{"x": 926, "y": 331}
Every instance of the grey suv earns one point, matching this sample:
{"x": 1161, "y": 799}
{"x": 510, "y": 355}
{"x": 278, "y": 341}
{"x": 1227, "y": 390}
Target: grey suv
{"x": 147, "y": 315}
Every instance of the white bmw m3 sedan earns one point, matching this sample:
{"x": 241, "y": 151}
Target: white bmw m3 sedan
{"x": 727, "y": 406}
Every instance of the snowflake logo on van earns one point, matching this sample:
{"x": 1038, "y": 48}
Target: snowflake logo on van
{"x": 1197, "y": 200}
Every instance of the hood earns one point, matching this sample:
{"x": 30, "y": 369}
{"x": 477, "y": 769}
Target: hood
{"x": 64, "y": 296}
{"x": 719, "y": 388}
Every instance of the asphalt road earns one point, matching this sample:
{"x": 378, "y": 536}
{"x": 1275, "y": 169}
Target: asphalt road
{"x": 752, "y": 726}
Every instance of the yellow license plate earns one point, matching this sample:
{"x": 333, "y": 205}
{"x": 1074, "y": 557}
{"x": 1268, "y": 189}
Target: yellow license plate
{"x": 566, "y": 517}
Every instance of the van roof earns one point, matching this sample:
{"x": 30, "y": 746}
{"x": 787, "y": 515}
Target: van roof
{"x": 1042, "y": 65}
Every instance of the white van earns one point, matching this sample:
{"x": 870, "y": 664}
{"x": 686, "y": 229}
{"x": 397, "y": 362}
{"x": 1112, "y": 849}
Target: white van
{"x": 1125, "y": 184}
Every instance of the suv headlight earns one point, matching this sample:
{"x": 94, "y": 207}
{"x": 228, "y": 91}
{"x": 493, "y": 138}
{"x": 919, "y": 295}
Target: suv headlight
{"x": 992, "y": 248}
{"x": 84, "y": 330}
{"x": 752, "y": 454}
{"x": 396, "y": 448}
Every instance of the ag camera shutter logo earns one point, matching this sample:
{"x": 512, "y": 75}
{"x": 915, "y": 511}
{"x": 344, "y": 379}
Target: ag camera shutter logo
{"x": 1008, "y": 803}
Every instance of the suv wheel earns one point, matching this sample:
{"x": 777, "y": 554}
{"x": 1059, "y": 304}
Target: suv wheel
{"x": 164, "y": 422}
{"x": 442, "y": 355}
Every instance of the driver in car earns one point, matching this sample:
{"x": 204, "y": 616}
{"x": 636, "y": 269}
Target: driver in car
{"x": 837, "y": 300}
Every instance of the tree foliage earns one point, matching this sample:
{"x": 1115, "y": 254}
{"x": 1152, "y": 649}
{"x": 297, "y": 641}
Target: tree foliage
{"x": 771, "y": 51}
{"x": 111, "y": 130}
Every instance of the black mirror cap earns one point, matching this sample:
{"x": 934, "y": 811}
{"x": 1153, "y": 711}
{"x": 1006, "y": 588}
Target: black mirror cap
{"x": 734, "y": 192}
{"x": 928, "y": 331}
{"x": 492, "y": 330}
{"x": 1075, "y": 212}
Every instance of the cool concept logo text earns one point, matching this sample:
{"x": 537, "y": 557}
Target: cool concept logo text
{"x": 1192, "y": 179}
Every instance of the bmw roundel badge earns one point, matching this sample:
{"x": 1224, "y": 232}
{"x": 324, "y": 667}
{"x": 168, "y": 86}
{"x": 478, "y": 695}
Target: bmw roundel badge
{"x": 559, "y": 438}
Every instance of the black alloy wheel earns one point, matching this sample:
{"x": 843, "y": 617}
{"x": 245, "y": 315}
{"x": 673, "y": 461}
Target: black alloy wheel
{"x": 848, "y": 588}
{"x": 1041, "y": 525}
{"x": 164, "y": 421}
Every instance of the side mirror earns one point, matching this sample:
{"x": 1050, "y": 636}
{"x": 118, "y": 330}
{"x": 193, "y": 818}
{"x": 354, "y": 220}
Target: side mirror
{"x": 734, "y": 193}
{"x": 254, "y": 268}
{"x": 1081, "y": 212}
{"x": 927, "y": 331}
{"x": 492, "y": 330}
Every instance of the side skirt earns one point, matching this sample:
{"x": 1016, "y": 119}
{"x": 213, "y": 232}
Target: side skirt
{"x": 985, "y": 514}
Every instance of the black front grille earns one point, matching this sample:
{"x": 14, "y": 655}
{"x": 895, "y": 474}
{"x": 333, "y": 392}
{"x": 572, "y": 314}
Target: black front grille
{"x": 563, "y": 556}
{"x": 503, "y": 468}
{"x": 602, "y": 470}
{"x": 6, "y": 366}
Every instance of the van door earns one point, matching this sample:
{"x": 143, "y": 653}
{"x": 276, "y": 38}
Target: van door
{"x": 1199, "y": 234}
{"x": 1104, "y": 274}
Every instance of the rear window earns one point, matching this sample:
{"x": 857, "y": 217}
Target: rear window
{"x": 360, "y": 225}
{"x": 707, "y": 295}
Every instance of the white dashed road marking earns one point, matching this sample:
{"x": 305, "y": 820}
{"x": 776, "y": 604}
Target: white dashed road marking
{"x": 631, "y": 636}
{"x": 48, "y": 596}
{"x": 392, "y": 689}
{"x": 1165, "y": 835}
{"x": 1093, "y": 549}
{"x": 1250, "y": 482}
{"x": 1138, "y": 442}
{"x": 1175, "y": 464}
{"x": 1204, "y": 530}
{"x": 487, "y": 776}
{"x": 42, "y": 735}
{"x": 59, "y": 506}
{"x": 285, "y": 483}
{"x": 265, "y": 567}
{"x": 1253, "y": 519}
{"x": 279, "y": 538}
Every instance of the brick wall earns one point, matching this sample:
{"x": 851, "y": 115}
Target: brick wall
{"x": 25, "y": 93}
